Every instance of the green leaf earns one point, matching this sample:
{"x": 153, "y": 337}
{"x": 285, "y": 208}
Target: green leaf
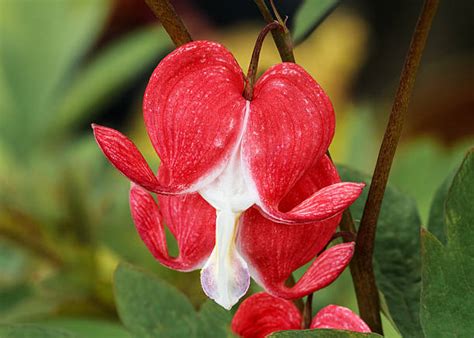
{"x": 33, "y": 331}
{"x": 13, "y": 295}
{"x": 149, "y": 307}
{"x": 102, "y": 79}
{"x": 448, "y": 270}
{"x": 323, "y": 333}
{"x": 421, "y": 166}
{"x": 88, "y": 328}
{"x": 309, "y": 15}
{"x": 213, "y": 318}
{"x": 397, "y": 253}
{"x": 436, "y": 224}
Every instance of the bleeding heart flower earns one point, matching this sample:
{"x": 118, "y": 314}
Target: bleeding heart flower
{"x": 237, "y": 159}
{"x": 262, "y": 314}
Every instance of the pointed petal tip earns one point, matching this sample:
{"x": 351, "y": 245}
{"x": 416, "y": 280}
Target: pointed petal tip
{"x": 322, "y": 205}
{"x": 324, "y": 270}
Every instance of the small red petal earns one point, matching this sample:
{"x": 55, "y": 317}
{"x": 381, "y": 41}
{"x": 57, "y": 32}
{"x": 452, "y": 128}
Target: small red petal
{"x": 194, "y": 113}
{"x": 324, "y": 270}
{"x": 290, "y": 126}
{"x": 125, "y": 156}
{"x": 339, "y": 318}
{"x": 261, "y": 314}
{"x": 323, "y": 204}
{"x": 190, "y": 219}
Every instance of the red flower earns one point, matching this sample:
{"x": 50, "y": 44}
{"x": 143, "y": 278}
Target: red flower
{"x": 260, "y": 165}
{"x": 262, "y": 314}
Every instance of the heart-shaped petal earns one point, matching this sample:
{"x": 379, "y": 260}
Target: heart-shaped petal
{"x": 262, "y": 314}
{"x": 338, "y": 318}
{"x": 290, "y": 126}
{"x": 190, "y": 219}
{"x": 194, "y": 113}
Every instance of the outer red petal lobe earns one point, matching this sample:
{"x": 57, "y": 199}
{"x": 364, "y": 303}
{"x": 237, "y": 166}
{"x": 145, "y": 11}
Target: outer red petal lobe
{"x": 125, "y": 156}
{"x": 194, "y": 113}
{"x": 290, "y": 126}
{"x": 190, "y": 219}
{"x": 273, "y": 250}
{"x": 262, "y": 314}
{"x": 339, "y": 318}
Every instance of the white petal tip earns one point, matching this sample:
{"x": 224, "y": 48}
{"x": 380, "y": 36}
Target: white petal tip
{"x": 226, "y": 289}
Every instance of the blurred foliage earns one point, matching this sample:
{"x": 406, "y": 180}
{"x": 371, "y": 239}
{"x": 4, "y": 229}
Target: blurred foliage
{"x": 309, "y": 15}
{"x": 64, "y": 215}
{"x": 151, "y": 308}
{"x": 61, "y": 211}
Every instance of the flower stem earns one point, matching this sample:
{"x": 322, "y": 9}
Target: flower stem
{"x": 366, "y": 289}
{"x": 170, "y": 20}
{"x": 253, "y": 66}
{"x": 282, "y": 38}
{"x": 308, "y": 312}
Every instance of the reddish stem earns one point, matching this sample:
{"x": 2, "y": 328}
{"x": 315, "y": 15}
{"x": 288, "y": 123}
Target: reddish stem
{"x": 253, "y": 66}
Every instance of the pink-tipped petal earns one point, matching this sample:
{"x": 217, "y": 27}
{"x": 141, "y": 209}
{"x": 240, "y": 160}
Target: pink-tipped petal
{"x": 262, "y": 314}
{"x": 194, "y": 113}
{"x": 125, "y": 156}
{"x": 323, "y": 204}
{"x": 274, "y": 250}
{"x": 324, "y": 270}
{"x": 339, "y": 318}
{"x": 190, "y": 219}
{"x": 290, "y": 126}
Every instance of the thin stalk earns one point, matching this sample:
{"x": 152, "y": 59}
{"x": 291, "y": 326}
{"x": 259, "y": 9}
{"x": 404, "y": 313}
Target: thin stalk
{"x": 170, "y": 20}
{"x": 367, "y": 291}
{"x": 308, "y": 312}
{"x": 282, "y": 38}
{"x": 289, "y": 283}
{"x": 253, "y": 66}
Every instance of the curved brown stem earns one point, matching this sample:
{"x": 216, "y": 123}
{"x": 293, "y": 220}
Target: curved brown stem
{"x": 282, "y": 38}
{"x": 253, "y": 66}
{"x": 366, "y": 289}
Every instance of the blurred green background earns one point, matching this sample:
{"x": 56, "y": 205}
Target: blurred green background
{"x": 64, "y": 216}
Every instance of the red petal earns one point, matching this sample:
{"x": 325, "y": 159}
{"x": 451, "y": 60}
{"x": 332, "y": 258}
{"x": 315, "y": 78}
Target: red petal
{"x": 290, "y": 126}
{"x": 273, "y": 250}
{"x": 190, "y": 219}
{"x": 324, "y": 270}
{"x": 323, "y": 204}
{"x": 262, "y": 314}
{"x": 338, "y": 318}
{"x": 194, "y": 112}
{"x": 125, "y": 156}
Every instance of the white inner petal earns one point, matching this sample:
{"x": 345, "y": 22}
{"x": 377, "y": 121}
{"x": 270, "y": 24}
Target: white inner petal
{"x": 230, "y": 191}
{"x": 225, "y": 277}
